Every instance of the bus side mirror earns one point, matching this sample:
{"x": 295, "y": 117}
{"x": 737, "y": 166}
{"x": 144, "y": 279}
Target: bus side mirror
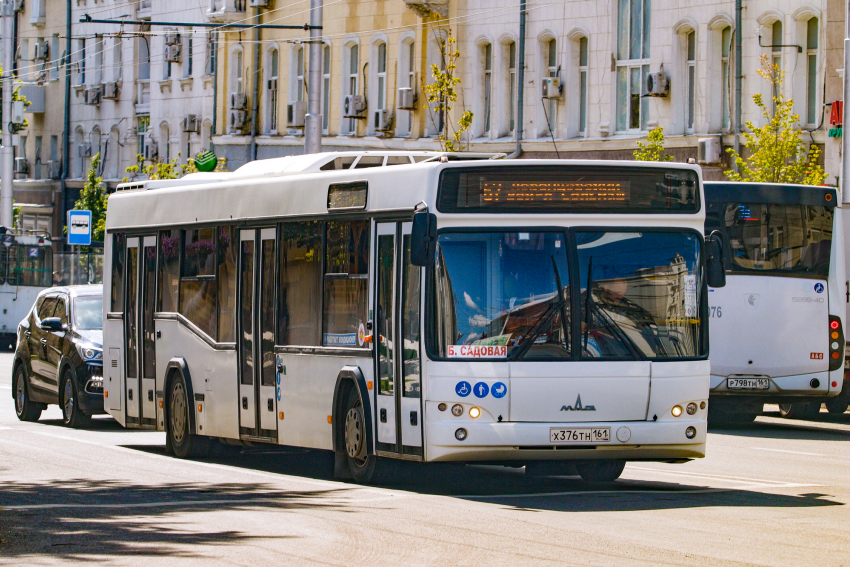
{"x": 423, "y": 239}
{"x": 715, "y": 272}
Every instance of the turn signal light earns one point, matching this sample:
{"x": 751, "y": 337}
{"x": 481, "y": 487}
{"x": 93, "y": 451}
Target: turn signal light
{"x": 836, "y": 345}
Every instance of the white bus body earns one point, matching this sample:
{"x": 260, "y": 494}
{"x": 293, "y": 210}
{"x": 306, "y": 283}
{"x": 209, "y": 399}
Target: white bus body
{"x": 26, "y": 268}
{"x": 270, "y": 302}
{"x": 777, "y": 327}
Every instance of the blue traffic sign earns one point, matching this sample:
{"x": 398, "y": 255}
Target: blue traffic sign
{"x": 463, "y": 389}
{"x": 79, "y": 228}
{"x": 481, "y": 390}
{"x": 499, "y": 390}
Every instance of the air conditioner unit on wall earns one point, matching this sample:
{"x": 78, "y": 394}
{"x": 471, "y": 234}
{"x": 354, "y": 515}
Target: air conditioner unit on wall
{"x": 382, "y": 120}
{"x": 353, "y": 106}
{"x": 54, "y": 169}
{"x": 93, "y": 95}
{"x": 238, "y": 119}
{"x": 17, "y": 112}
{"x": 406, "y": 99}
{"x": 42, "y": 50}
{"x": 259, "y": 3}
{"x": 172, "y": 53}
{"x": 21, "y": 165}
{"x": 110, "y": 90}
{"x": 657, "y": 84}
{"x": 18, "y": 6}
{"x": 172, "y": 38}
{"x": 295, "y": 112}
{"x": 708, "y": 150}
{"x": 191, "y": 123}
{"x": 551, "y": 87}
{"x": 238, "y": 101}
{"x": 85, "y": 149}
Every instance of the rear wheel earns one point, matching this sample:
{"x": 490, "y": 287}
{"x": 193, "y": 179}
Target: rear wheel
{"x": 837, "y": 405}
{"x": 183, "y": 443}
{"x": 26, "y": 409}
{"x": 600, "y": 471}
{"x": 363, "y": 466}
{"x": 800, "y": 411}
{"x": 72, "y": 415}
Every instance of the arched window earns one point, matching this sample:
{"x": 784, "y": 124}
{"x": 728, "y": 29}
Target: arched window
{"x": 511, "y": 85}
{"x": 725, "y": 77}
{"x": 487, "y": 85}
{"x": 326, "y": 87}
{"x": 350, "y": 82}
{"x": 406, "y": 79}
{"x": 381, "y": 76}
{"x": 690, "y": 100}
{"x": 812, "y": 44}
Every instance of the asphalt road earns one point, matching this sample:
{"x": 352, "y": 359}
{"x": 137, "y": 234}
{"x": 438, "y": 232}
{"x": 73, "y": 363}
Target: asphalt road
{"x": 774, "y": 493}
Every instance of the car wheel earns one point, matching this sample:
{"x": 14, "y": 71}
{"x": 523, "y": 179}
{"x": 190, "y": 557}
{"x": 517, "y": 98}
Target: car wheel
{"x": 26, "y": 409}
{"x": 837, "y": 405}
{"x": 363, "y": 466}
{"x": 72, "y": 415}
{"x": 183, "y": 443}
{"x": 600, "y": 471}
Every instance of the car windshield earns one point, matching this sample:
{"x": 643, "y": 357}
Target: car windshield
{"x": 645, "y": 294}
{"x": 774, "y": 238}
{"x": 88, "y": 313}
{"x": 495, "y": 291}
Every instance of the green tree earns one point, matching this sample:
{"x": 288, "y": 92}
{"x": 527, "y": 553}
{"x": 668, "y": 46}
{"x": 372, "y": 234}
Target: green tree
{"x": 653, "y": 149}
{"x": 441, "y": 96}
{"x": 160, "y": 169}
{"x": 93, "y": 198}
{"x": 777, "y": 153}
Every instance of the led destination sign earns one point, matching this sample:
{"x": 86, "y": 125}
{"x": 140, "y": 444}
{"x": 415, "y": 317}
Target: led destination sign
{"x": 578, "y": 188}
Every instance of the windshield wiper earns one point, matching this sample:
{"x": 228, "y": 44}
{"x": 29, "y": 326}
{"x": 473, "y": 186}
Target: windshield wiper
{"x": 533, "y": 333}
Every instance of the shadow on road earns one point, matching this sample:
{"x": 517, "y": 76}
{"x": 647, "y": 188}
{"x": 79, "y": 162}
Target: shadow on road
{"x": 72, "y": 519}
{"x": 786, "y": 429}
{"x": 98, "y": 423}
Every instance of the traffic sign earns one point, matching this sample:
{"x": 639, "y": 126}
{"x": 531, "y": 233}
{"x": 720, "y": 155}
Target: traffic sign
{"x": 79, "y": 228}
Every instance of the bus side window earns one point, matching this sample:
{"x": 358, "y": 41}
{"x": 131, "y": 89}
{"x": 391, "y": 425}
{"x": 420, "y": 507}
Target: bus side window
{"x": 169, "y": 270}
{"x": 300, "y": 283}
{"x": 119, "y": 250}
{"x": 228, "y": 254}
{"x": 345, "y": 282}
{"x": 198, "y": 286}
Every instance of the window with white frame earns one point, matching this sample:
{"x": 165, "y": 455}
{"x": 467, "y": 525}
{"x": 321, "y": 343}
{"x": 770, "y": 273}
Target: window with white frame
{"x": 552, "y": 71}
{"x": 487, "y": 85}
{"x": 56, "y": 57}
{"x": 210, "y": 55}
{"x": 117, "y": 58}
{"x": 512, "y": 86}
{"x": 633, "y": 38}
{"x": 725, "y": 77}
{"x": 381, "y": 76}
{"x": 406, "y": 74}
{"x": 238, "y": 77}
{"x": 436, "y": 47}
{"x": 166, "y": 65}
{"x": 812, "y": 71}
{"x": 165, "y": 143}
{"x": 272, "y": 89}
{"x": 582, "y": 85}
{"x": 350, "y": 66}
{"x": 776, "y": 56}
{"x": 692, "y": 77}
{"x": 297, "y": 74}
{"x": 188, "y": 55}
{"x": 144, "y": 59}
{"x": 326, "y": 87}
{"x": 81, "y": 63}
{"x": 99, "y": 46}
{"x": 143, "y": 124}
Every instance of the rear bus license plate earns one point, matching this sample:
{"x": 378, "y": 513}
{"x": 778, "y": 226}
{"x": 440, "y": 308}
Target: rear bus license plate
{"x": 580, "y": 435}
{"x": 748, "y": 383}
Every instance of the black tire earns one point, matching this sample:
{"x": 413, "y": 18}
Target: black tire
{"x": 600, "y": 471}
{"x": 183, "y": 444}
{"x": 72, "y": 415}
{"x": 25, "y": 409}
{"x": 800, "y": 411}
{"x": 364, "y": 467}
{"x": 838, "y": 405}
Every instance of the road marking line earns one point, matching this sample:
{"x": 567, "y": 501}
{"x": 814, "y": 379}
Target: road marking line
{"x": 792, "y": 452}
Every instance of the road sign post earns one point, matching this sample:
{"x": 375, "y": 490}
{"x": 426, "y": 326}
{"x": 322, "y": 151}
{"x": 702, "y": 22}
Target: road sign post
{"x": 79, "y": 234}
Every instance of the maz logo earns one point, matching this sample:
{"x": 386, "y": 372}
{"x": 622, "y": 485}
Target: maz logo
{"x": 578, "y": 406}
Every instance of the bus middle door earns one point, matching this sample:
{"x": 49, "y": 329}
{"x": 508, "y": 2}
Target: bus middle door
{"x": 140, "y": 300}
{"x": 397, "y": 344}
{"x": 256, "y": 336}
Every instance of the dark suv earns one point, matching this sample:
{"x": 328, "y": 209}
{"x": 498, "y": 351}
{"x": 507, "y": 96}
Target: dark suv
{"x": 59, "y": 358}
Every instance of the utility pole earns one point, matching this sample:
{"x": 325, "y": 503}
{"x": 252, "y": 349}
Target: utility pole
{"x": 8, "y": 164}
{"x": 313, "y": 120}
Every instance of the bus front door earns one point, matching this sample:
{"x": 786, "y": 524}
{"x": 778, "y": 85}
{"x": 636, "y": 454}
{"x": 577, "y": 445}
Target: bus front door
{"x": 397, "y": 344}
{"x": 140, "y": 300}
{"x": 255, "y": 335}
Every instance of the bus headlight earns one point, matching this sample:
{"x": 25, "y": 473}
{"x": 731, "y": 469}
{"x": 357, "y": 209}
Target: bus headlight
{"x": 457, "y": 410}
{"x": 691, "y": 408}
{"x": 676, "y": 411}
{"x": 474, "y": 412}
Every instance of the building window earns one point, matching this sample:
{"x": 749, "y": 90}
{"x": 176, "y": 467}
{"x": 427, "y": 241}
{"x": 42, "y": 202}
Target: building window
{"x": 117, "y": 59}
{"x": 165, "y": 143}
{"x": 582, "y": 85}
{"x": 237, "y": 72}
{"x": 726, "y": 85}
{"x": 691, "y": 103}
{"x": 552, "y": 70}
{"x": 812, "y": 71}
{"x": 512, "y": 94}
{"x": 350, "y": 66}
{"x": 98, "y": 59}
{"x": 210, "y": 57}
{"x": 187, "y": 68}
{"x": 272, "y": 86}
{"x": 488, "y": 81}
{"x": 143, "y": 124}
{"x": 326, "y": 87}
{"x": 55, "y": 56}
{"x": 81, "y": 74}
{"x": 632, "y": 64}
{"x": 144, "y": 59}
{"x": 381, "y": 72}
{"x": 297, "y": 85}
{"x": 776, "y": 56}
{"x": 406, "y": 78}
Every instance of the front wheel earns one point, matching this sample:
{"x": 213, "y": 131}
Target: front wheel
{"x": 361, "y": 464}
{"x": 72, "y": 415}
{"x": 182, "y": 442}
{"x": 26, "y": 409}
{"x": 600, "y": 471}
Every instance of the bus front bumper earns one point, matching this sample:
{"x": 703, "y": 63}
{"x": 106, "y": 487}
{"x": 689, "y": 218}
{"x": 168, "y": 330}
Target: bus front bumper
{"x": 505, "y": 441}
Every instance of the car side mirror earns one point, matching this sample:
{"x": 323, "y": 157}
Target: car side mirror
{"x": 52, "y": 324}
{"x": 423, "y": 239}
{"x": 714, "y": 269}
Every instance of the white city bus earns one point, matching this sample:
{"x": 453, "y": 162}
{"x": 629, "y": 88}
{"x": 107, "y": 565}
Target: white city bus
{"x": 416, "y": 306}
{"x": 26, "y": 269}
{"x": 777, "y": 328}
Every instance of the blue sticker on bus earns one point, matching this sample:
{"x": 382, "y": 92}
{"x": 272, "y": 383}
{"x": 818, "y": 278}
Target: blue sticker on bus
{"x": 499, "y": 390}
{"x": 463, "y": 389}
{"x": 819, "y": 287}
{"x": 278, "y": 394}
{"x": 481, "y": 390}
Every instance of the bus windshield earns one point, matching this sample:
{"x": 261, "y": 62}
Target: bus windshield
{"x": 774, "y": 238}
{"x": 507, "y": 296}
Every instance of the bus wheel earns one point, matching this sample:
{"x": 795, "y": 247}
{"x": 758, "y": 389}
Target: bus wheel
{"x": 183, "y": 443}
{"x": 361, "y": 464}
{"x": 837, "y": 405}
{"x": 26, "y": 409}
{"x": 72, "y": 416}
{"x": 600, "y": 471}
{"x": 800, "y": 411}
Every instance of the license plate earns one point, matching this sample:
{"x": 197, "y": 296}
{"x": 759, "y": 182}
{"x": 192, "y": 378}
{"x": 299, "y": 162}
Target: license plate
{"x": 580, "y": 435}
{"x": 748, "y": 383}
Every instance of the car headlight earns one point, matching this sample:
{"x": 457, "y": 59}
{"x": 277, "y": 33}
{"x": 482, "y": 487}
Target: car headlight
{"x": 90, "y": 352}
